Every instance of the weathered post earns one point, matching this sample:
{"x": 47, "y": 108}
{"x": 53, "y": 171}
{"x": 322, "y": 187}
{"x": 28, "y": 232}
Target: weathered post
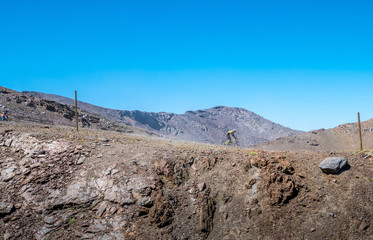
{"x": 76, "y": 111}
{"x": 360, "y": 138}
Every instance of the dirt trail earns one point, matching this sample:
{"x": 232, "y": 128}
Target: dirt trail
{"x": 57, "y": 184}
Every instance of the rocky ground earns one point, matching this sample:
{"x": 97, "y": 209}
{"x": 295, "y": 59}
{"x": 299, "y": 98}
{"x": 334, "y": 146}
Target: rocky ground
{"x": 59, "y": 184}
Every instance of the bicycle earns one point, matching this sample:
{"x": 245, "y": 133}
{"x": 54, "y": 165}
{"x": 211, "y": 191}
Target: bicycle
{"x": 234, "y": 142}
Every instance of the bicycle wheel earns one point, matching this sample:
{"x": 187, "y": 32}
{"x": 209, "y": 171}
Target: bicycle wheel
{"x": 235, "y": 143}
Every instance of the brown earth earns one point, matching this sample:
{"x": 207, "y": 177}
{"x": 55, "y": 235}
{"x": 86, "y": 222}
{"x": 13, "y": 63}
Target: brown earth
{"x": 58, "y": 184}
{"x": 344, "y": 137}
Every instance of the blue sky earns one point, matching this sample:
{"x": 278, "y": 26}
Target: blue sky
{"x": 303, "y": 64}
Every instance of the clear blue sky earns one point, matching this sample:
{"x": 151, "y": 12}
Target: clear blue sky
{"x": 303, "y": 64}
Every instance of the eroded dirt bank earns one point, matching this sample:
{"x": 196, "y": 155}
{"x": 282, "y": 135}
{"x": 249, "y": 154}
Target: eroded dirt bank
{"x": 56, "y": 184}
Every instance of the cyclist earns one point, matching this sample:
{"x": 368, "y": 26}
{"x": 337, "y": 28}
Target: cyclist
{"x": 4, "y": 117}
{"x": 229, "y": 135}
{"x": 85, "y": 121}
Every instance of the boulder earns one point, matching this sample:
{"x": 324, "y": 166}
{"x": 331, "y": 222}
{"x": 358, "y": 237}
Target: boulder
{"x": 333, "y": 164}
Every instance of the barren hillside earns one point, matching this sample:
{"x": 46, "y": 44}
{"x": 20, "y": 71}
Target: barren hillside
{"x": 29, "y": 109}
{"x": 58, "y": 184}
{"x": 344, "y": 137}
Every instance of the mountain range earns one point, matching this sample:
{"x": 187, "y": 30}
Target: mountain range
{"x": 208, "y": 125}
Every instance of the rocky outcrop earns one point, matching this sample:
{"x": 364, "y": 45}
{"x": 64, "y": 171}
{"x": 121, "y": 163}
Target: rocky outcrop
{"x": 174, "y": 170}
{"x": 280, "y": 182}
{"x": 206, "y": 214}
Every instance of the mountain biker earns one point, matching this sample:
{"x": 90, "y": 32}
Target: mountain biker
{"x": 85, "y": 121}
{"x": 229, "y": 135}
{"x": 4, "y": 117}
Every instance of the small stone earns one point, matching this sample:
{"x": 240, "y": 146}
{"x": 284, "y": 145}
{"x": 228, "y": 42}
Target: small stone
{"x": 147, "y": 202}
{"x": 250, "y": 184}
{"x": 8, "y": 142}
{"x": 8, "y": 174}
{"x": 364, "y": 226}
{"x": 7, "y": 235}
{"x": 79, "y": 147}
{"x": 49, "y": 220}
{"x": 313, "y": 229}
{"x": 6, "y": 208}
{"x": 100, "y": 155}
{"x": 41, "y": 152}
{"x": 81, "y": 160}
{"x": 35, "y": 165}
{"x": 201, "y": 186}
{"x": 84, "y": 223}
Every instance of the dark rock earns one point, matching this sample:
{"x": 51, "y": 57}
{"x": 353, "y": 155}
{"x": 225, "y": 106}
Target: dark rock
{"x": 6, "y": 208}
{"x": 207, "y": 211}
{"x": 30, "y": 104}
{"x": 41, "y": 152}
{"x": 51, "y": 108}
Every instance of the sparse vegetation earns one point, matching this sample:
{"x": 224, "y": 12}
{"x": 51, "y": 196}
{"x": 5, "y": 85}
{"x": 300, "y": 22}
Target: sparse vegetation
{"x": 72, "y": 221}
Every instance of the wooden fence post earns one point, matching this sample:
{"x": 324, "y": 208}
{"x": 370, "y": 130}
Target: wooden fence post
{"x": 360, "y": 138}
{"x": 76, "y": 111}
